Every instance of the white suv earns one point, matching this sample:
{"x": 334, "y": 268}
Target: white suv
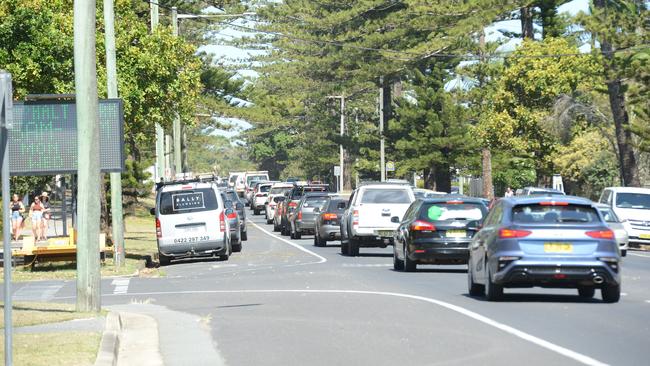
{"x": 190, "y": 221}
{"x": 277, "y": 190}
{"x": 632, "y": 206}
{"x": 368, "y": 220}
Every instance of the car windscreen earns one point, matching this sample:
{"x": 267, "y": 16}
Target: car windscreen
{"x": 633, "y": 200}
{"x": 336, "y": 205}
{"x": 554, "y": 214}
{"x": 251, "y": 178}
{"x": 545, "y": 193}
{"x": 302, "y": 190}
{"x": 188, "y": 201}
{"x": 312, "y": 202}
{"x": 443, "y": 211}
{"x": 265, "y": 188}
{"x": 385, "y": 196}
{"x": 609, "y": 215}
{"x": 233, "y": 179}
{"x": 279, "y": 190}
{"x": 232, "y": 195}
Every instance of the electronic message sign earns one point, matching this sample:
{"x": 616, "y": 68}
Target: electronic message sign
{"x": 43, "y": 139}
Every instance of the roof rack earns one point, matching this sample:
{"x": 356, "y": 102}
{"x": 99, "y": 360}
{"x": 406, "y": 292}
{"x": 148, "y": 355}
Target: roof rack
{"x": 374, "y": 182}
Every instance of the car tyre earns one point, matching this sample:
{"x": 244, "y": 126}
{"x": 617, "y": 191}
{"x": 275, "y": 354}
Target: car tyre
{"x": 276, "y": 228}
{"x": 256, "y": 212}
{"x": 353, "y": 247}
{"x": 623, "y": 252}
{"x": 164, "y": 260}
{"x": 398, "y": 264}
{"x": 586, "y": 292}
{"x": 494, "y": 292}
{"x": 611, "y": 293}
{"x": 297, "y": 235}
{"x": 409, "y": 265}
{"x": 474, "y": 288}
{"x": 269, "y": 222}
{"x": 244, "y": 235}
{"x": 345, "y": 249}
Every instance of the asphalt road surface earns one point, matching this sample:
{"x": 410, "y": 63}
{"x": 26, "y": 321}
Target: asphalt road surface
{"x": 286, "y": 302}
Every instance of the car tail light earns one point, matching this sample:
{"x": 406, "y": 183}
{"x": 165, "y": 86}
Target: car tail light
{"x": 222, "y": 222}
{"x": 158, "y": 229}
{"x": 293, "y": 204}
{"x": 455, "y": 202}
{"x": 553, "y": 203}
{"x": 420, "y": 225}
{"x": 510, "y": 233}
{"x": 355, "y": 218}
{"x": 329, "y": 216}
{"x": 271, "y": 204}
{"x": 601, "y": 234}
{"x": 232, "y": 215}
{"x": 259, "y": 195}
{"x": 300, "y": 215}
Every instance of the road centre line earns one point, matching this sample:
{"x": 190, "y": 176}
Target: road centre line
{"x": 300, "y": 247}
{"x": 578, "y": 357}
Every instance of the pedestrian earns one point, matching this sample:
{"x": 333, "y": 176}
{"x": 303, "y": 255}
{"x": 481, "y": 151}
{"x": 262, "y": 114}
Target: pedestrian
{"x": 36, "y": 213}
{"x": 17, "y": 219}
{"x": 509, "y": 192}
{"x": 47, "y": 214}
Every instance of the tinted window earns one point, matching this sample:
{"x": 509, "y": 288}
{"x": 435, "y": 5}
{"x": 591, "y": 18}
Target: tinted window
{"x": 314, "y": 202}
{"x": 539, "y": 214}
{"x": 279, "y": 190}
{"x": 447, "y": 212}
{"x": 633, "y": 200}
{"x": 333, "y": 206}
{"x": 251, "y": 178}
{"x": 188, "y": 201}
{"x": 385, "y": 196}
{"x": 233, "y": 179}
{"x": 609, "y": 215}
{"x": 265, "y": 188}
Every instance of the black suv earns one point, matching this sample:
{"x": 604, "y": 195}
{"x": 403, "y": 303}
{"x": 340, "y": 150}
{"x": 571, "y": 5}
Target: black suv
{"x": 292, "y": 200}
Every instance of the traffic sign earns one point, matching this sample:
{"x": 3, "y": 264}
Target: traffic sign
{"x": 337, "y": 170}
{"x": 390, "y": 166}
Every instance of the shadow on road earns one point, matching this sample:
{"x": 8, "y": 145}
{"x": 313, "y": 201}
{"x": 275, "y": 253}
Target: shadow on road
{"x": 542, "y": 298}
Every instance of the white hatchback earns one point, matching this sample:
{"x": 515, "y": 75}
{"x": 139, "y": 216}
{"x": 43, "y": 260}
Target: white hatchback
{"x": 191, "y": 221}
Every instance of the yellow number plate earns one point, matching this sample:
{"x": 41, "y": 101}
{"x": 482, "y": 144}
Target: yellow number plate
{"x": 456, "y": 234}
{"x": 558, "y": 248}
{"x": 644, "y": 236}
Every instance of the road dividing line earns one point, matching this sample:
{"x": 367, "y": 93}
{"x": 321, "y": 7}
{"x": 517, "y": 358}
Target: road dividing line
{"x": 300, "y": 247}
{"x": 121, "y": 286}
{"x": 578, "y": 357}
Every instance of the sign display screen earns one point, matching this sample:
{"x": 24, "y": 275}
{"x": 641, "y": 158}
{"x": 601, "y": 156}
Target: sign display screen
{"x": 43, "y": 139}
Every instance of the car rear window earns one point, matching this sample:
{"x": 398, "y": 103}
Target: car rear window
{"x": 554, "y": 214}
{"x": 279, "y": 190}
{"x": 333, "y": 206}
{"x": 443, "y": 211}
{"x": 633, "y": 200}
{"x": 298, "y": 192}
{"x": 314, "y": 201}
{"x": 385, "y": 196}
{"x": 265, "y": 188}
{"x": 251, "y": 178}
{"x": 188, "y": 201}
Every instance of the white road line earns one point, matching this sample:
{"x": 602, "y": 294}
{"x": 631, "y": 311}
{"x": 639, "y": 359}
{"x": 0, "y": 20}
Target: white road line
{"x": 300, "y": 247}
{"x": 367, "y": 265}
{"x": 578, "y": 357}
{"x": 37, "y": 292}
{"x": 121, "y": 286}
{"x": 638, "y": 255}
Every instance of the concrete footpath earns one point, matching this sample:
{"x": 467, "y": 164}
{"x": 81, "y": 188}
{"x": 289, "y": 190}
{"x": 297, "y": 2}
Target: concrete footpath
{"x": 145, "y": 334}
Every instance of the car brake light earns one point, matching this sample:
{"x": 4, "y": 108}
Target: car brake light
{"x": 329, "y": 216}
{"x": 600, "y": 234}
{"x": 420, "y": 225}
{"x": 232, "y": 215}
{"x": 455, "y": 202}
{"x": 259, "y": 195}
{"x": 355, "y": 218}
{"x": 293, "y": 204}
{"x": 300, "y": 215}
{"x": 158, "y": 229}
{"x": 222, "y": 222}
{"x": 553, "y": 203}
{"x": 510, "y": 233}
{"x": 186, "y": 187}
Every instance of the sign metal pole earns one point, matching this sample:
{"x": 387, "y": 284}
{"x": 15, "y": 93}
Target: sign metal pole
{"x": 6, "y": 117}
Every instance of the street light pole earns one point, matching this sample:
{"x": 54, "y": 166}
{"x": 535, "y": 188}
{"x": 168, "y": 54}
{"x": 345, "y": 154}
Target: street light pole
{"x": 342, "y": 132}
{"x": 176, "y": 130}
{"x": 160, "y": 133}
{"x": 382, "y": 156}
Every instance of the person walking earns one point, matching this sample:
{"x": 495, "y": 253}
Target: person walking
{"x": 36, "y": 213}
{"x": 17, "y": 210}
{"x": 47, "y": 214}
{"x": 509, "y": 192}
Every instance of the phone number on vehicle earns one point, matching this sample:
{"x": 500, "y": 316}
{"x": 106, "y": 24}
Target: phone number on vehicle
{"x": 191, "y": 240}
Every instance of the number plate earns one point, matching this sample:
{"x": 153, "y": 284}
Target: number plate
{"x": 558, "y": 247}
{"x": 193, "y": 239}
{"x": 456, "y": 234}
{"x": 386, "y": 233}
{"x": 644, "y": 236}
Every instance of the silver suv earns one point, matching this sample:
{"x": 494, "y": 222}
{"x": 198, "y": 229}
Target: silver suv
{"x": 190, "y": 221}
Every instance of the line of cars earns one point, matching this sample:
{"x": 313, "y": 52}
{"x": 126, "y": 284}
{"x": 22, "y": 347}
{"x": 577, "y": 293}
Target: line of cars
{"x": 543, "y": 239}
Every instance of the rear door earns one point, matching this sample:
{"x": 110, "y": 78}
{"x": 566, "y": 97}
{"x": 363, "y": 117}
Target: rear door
{"x": 307, "y": 209}
{"x": 454, "y": 220}
{"x": 376, "y": 206}
{"x": 189, "y": 215}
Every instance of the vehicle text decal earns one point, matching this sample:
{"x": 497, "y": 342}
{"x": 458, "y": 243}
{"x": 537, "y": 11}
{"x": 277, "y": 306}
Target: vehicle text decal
{"x": 187, "y": 201}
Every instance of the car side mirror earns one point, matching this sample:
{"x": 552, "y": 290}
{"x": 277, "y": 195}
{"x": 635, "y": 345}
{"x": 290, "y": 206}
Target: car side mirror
{"x": 152, "y": 211}
{"x": 394, "y": 220}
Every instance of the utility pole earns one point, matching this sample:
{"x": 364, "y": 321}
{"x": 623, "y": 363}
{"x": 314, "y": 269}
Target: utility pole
{"x": 85, "y": 74}
{"x": 116, "y": 178}
{"x": 486, "y": 153}
{"x": 382, "y": 156}
{"x": 160, "y": 133}
{"x": 178, "y": 157}
{"x": 342, "y": 133}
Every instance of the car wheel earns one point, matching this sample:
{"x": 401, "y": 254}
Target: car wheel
{"x": 256, "y": 212}
{"x": 276, "y": 228}
{"x": 494, "y": 292}
{"x": 586, "y": 292}
{"x": 398, "y": 264}
{"x": 409, "y": 265}
{"x": 164, "y": 260}
{"x": 297, "y": 235}
{"x": 353, "y": 247}
{"x": 345, "y": 250}
{"x": 237, "y": 248}
{"x": 611, "y": 293}
{"x": 623, "y": 252}
{"x": 474, "y": 288}
{"x": 268, "y": 222}
{"x": 244, "y": 235}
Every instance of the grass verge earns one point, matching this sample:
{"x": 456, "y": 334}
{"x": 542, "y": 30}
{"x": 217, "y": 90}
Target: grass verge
{"x": 55, "y": 349}
{"x": 35, "y": 313}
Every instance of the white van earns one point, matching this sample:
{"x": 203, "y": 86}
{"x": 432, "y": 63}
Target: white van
{"x": 191, "y": 221}
{"x": 632, "y": 205}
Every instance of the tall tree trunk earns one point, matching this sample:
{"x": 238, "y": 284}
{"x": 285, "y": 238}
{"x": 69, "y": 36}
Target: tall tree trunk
{"x": 347, "y": 172}
{"x": 488, "y": 189}
{"x": 429, "y": 178}
{"x": 443, "y": 177}
{"x": 527, "y": 30}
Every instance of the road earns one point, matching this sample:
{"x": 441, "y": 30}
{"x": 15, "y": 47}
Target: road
{"x": 286, "y": 302}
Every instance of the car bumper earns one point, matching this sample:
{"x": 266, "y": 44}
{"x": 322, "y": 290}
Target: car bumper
{"x": 305, "y": 226}
{"x": 329, "y": 232}
{"x": 207, "y": 248}
{"x": 439, "y": 252}
{"x": 556, "y": 274}
{"x": 381, "y": 233}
